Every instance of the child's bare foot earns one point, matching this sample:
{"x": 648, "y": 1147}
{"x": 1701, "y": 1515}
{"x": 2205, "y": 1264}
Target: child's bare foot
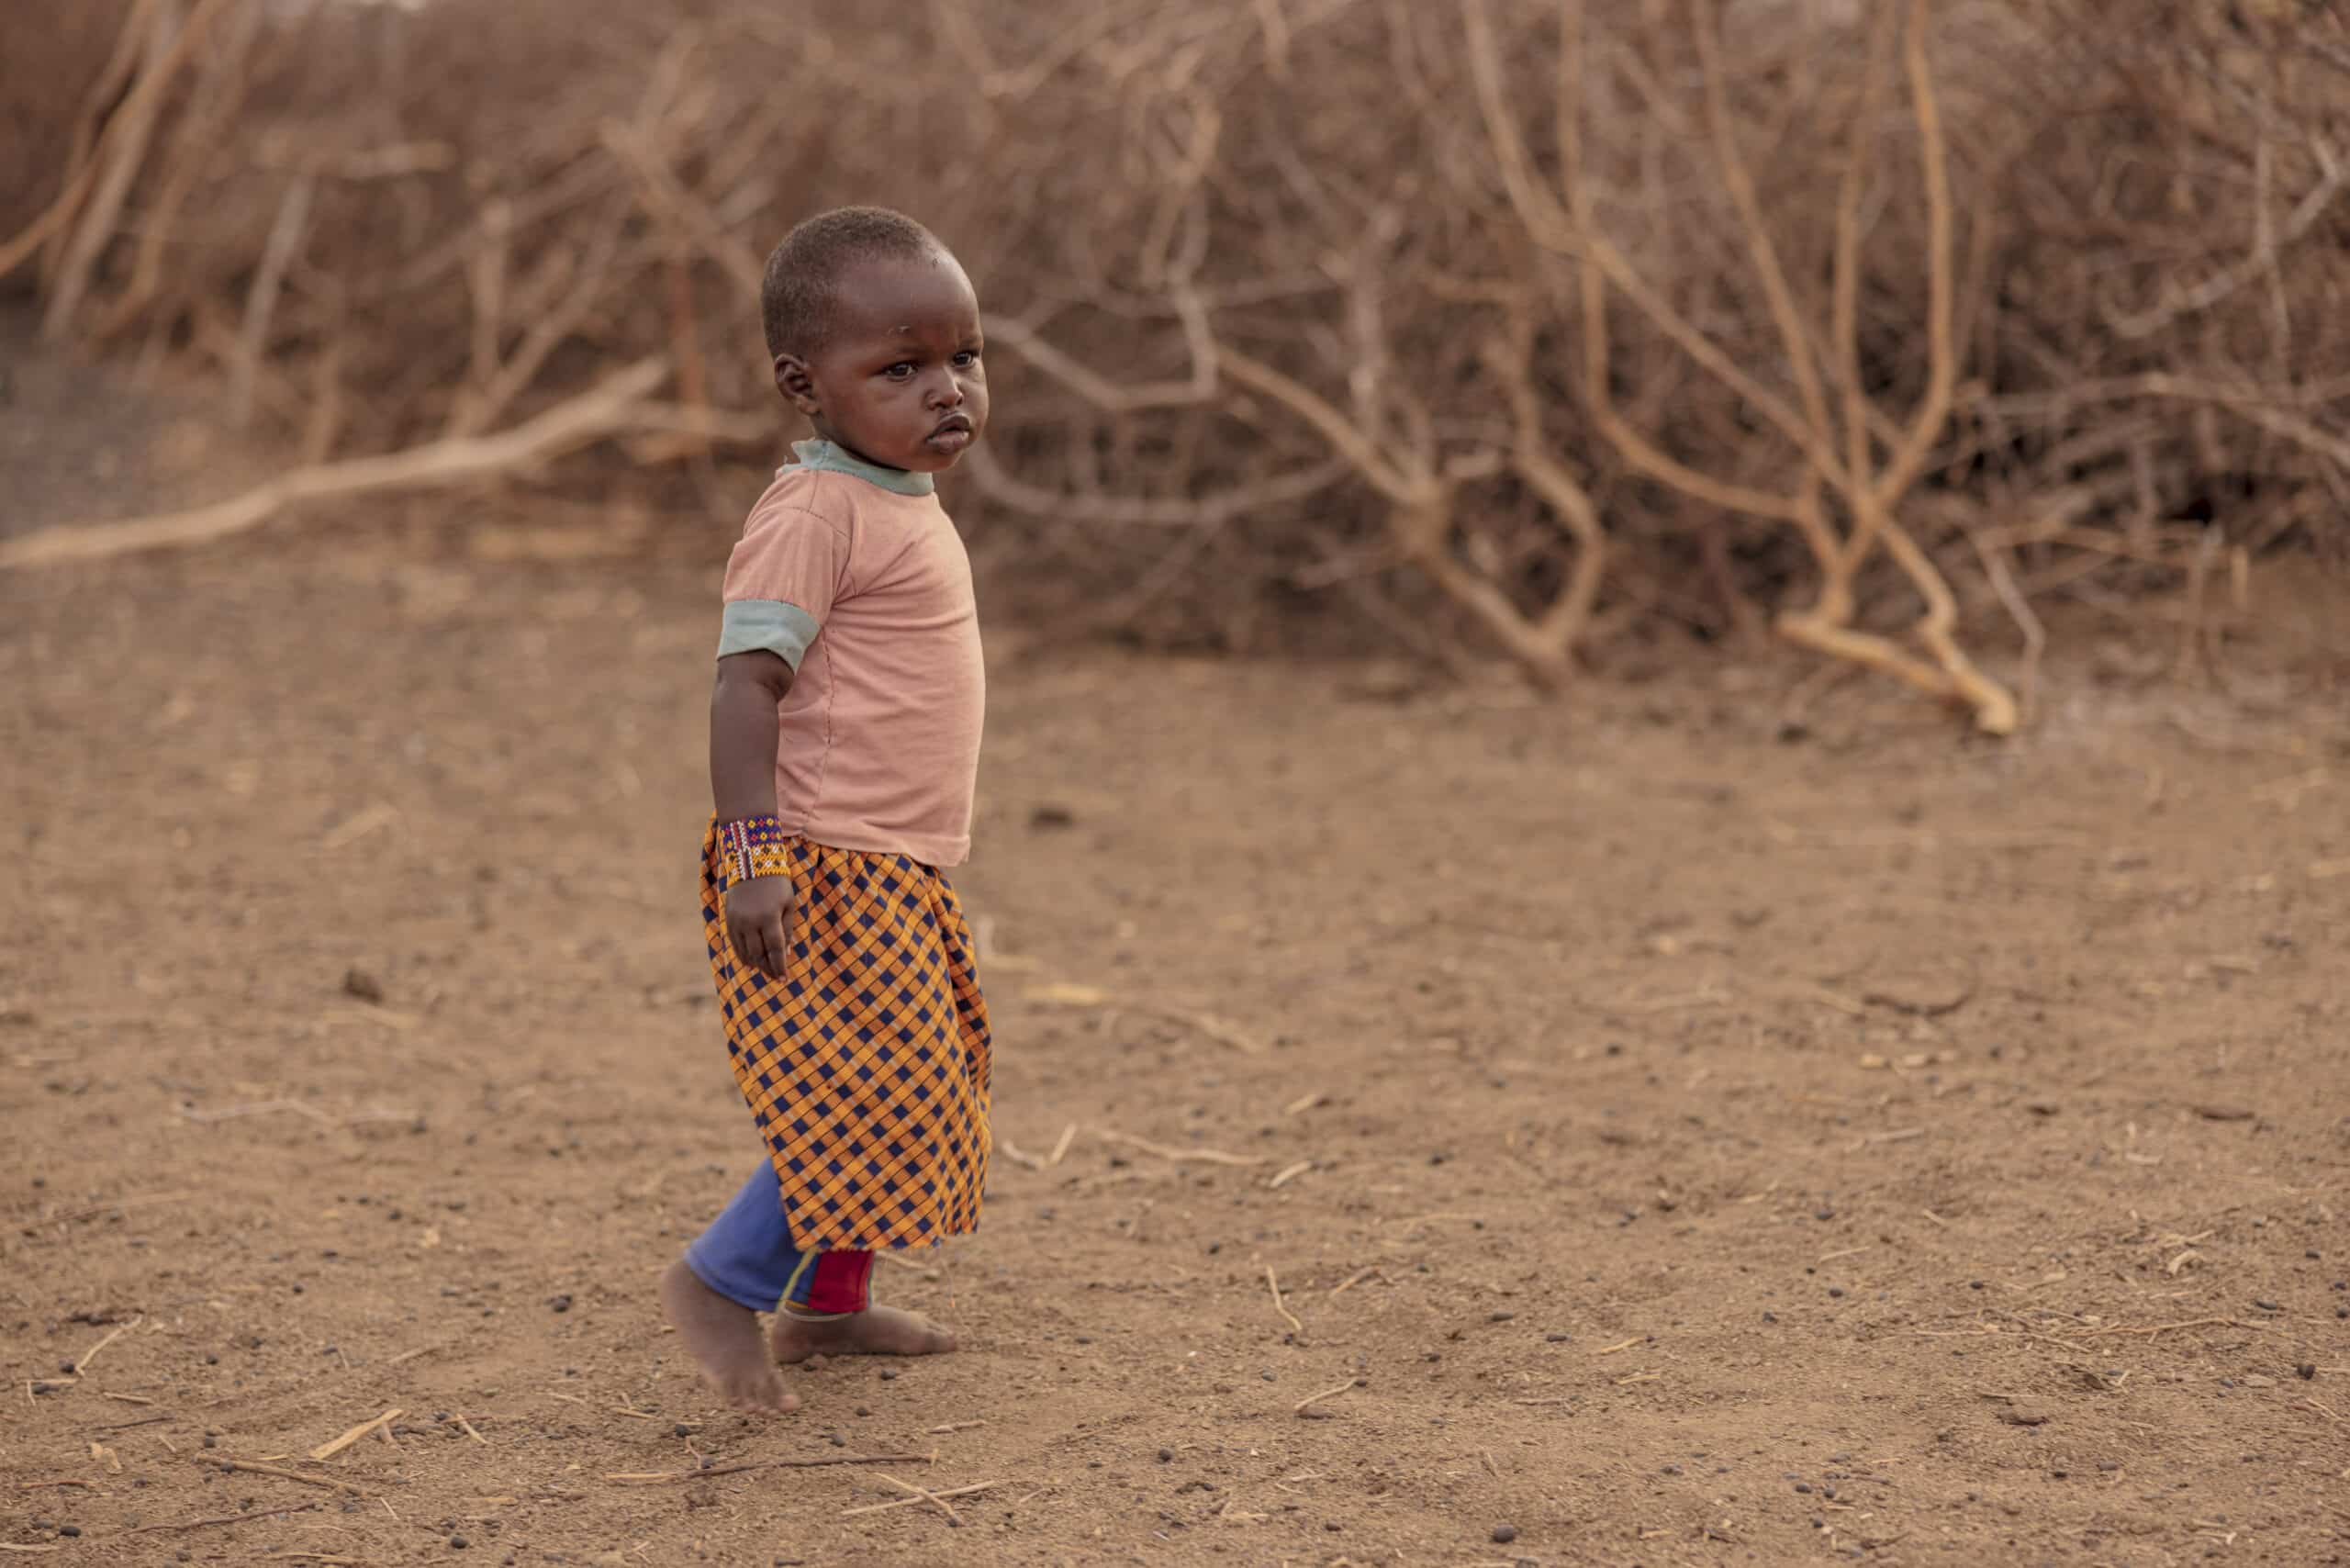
{"x": 724, "y": 1337}
{"x": 875, "y": 1331}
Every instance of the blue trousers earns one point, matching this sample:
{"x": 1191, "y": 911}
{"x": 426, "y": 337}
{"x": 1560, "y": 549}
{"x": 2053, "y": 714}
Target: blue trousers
{"x": 747, "y": 1255}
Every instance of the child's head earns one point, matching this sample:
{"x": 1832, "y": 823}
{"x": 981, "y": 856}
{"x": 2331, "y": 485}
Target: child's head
{"x": 875, "y": 335}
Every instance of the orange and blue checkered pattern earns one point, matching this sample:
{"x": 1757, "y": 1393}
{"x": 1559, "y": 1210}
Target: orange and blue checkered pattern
{"x": 867, "y": 1066}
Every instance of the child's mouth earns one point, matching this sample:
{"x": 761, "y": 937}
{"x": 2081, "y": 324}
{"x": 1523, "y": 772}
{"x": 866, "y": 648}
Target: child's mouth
{"x": 952, "y": 435}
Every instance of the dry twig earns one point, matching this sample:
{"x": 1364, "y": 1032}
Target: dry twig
{"x": 1274, "y": 1284}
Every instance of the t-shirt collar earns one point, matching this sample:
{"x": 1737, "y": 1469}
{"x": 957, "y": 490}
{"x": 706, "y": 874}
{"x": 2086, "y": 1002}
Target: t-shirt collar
{"x": 824, "y": 456}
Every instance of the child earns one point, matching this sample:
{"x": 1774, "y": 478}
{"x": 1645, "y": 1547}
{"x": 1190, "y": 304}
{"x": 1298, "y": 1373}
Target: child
{"x": 843, "y": 745}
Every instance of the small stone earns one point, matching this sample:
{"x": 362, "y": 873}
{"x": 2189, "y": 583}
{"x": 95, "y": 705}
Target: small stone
{"x": 1557, "y": 1339}
{"x": 1804, "y": 1486}
{"x": 363, "y": 985}
{"x": 1491, "y": 1317}
{"x": 460, "y": 1542}
{"x": 210, "y": 1441}
{"x": 1504, "y": 1534}
{"x": 561, "y": 1303}
{"x": 2024, "y": 1415}
{"x": 1166, "y": 1456}
{"x": 69, "y": 1531}
{"x": 682, "y": 1430}
{"x": 888, "y": 1374}
{"x": 2306, "y": 1372}
{"x": 2267, "y": 1306}
{"x": 1836, "y": 1290}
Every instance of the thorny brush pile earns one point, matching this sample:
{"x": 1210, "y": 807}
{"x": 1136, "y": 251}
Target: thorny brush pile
{"x": 1521, "y": 324}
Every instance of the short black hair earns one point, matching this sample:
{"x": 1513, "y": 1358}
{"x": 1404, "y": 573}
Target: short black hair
{"x": 797, "y": 295}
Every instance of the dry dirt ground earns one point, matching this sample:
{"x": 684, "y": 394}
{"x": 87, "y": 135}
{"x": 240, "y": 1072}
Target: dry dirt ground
{"x": 1677, "y": 1137}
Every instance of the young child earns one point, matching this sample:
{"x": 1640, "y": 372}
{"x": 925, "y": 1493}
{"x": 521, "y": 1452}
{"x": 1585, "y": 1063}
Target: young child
{"x": 843, "y": 745}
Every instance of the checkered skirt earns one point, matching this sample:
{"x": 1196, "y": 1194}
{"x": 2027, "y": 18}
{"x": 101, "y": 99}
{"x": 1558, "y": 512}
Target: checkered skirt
{"x": 867, "y": 1066}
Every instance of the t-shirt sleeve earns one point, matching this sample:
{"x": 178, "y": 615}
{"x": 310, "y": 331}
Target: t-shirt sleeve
{"x": 781, "y": 583}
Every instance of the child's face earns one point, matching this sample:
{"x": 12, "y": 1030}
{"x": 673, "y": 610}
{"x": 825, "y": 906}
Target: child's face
{"x": 899, "y": 381}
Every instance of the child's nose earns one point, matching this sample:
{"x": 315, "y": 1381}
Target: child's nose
{"x": 947, "y": 392}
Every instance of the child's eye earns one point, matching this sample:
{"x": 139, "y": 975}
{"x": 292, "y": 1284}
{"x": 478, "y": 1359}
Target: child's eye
{"x": 900, "y": 370}
{"x": 966, "y": 359}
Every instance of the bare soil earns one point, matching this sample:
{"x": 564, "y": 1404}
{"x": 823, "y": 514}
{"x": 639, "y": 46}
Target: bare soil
{"x": 1633, "y": 1130}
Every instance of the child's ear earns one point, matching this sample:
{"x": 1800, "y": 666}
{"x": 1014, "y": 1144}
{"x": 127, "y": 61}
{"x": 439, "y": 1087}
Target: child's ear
{"x": 799, "y": 389}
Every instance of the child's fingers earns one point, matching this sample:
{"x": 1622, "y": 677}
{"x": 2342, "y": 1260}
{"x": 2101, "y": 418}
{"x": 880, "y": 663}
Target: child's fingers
{"x": 765, "y": 948}
{"x": 747, "y": 949}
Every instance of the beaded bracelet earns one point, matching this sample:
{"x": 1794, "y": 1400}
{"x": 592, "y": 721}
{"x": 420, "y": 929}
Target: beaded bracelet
{"x": 754, "y": 847}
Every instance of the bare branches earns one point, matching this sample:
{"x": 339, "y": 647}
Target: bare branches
{"x": 168, "y": 41}
{"x": 1500, "y": 327}
{"x": 602, "y": 410}
{"x": 1099, "y": 390}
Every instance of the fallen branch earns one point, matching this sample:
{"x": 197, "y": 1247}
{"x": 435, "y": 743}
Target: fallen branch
{"x": 666, "y": 1477}
{"x": 91, "y": 1354}
{"x": 1206, "y": 1024}
{"x": 229, "y": 1518}
{"x": 924, "y": 1494}
{"x": 1273, "y": 1282}
{"x": 918, "y": 1501}
{"x": 1180, "y": 1155}
{"x": 246, "y": 1467}
{"x": 607, "y": 407}
{"x": 1305, "y": 1411}
{"x": 329, "y": 1449}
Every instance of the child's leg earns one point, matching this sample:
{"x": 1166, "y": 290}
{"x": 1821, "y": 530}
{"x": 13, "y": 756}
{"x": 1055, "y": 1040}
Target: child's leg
{"x": 826, "y": 1286}
{"x": 747, "y": 1254}
{"x": 827, "y": 1308}
{"x": 831, "y": 1313}
{"x": 742, "y": 1265}
{"x": 745, "y": 1264}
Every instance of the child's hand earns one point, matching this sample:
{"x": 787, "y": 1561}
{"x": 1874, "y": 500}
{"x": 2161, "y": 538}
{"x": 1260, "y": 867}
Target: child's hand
{"x": 758, "y": 912}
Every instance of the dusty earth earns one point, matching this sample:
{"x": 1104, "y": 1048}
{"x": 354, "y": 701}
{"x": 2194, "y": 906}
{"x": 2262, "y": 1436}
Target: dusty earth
{"x": 1676, "y": 1135}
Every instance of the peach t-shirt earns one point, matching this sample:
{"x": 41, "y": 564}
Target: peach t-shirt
{"x": 854, "y": 576}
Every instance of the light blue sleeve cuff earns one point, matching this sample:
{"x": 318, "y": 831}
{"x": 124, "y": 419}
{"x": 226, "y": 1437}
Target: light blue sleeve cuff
{"x": 784, "y": 629}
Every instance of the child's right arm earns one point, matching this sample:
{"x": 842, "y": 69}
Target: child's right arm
{"x": 750, "y": 687}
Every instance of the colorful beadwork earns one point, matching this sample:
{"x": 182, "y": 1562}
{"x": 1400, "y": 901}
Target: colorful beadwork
{"x": 754, "y": 847}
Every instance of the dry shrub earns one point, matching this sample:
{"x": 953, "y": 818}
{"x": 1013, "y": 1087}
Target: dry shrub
{"x": 50, "y": 74}
{"x": 1521, "y": 324}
